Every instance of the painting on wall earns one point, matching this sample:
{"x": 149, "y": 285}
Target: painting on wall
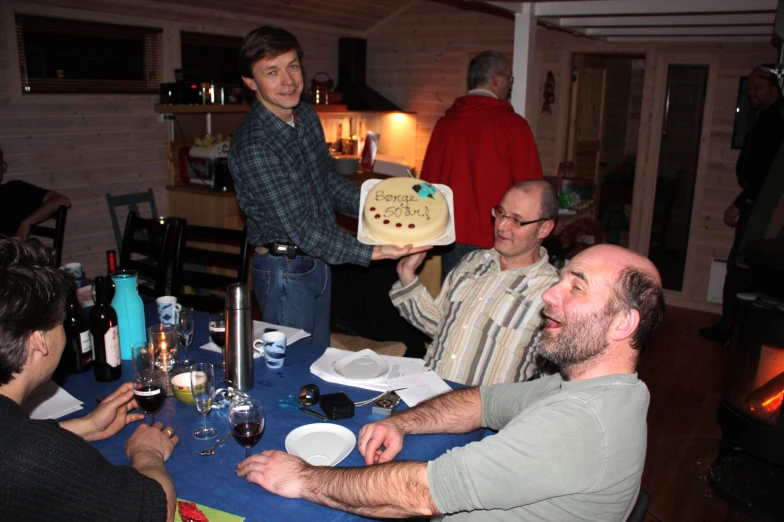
{"x": 744, "y": 115}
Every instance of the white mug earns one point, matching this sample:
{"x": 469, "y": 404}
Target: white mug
{"x": 273, "y": 347}
{"x": 168, "y": 309}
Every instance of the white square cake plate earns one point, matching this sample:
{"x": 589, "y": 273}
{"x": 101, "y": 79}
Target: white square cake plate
{"x": 447, "y": 238}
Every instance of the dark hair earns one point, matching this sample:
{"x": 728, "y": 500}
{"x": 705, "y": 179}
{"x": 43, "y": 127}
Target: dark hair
{"x": 636, "y": 289}
{"x": 548, "y": 198}
{"x": 263, "y": 42}
{"x": 483, "y": 66}
{"x": 32, "y": 299}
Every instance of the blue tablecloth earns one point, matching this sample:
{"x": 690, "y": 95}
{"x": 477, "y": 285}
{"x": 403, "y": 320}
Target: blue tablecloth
{"x": 210, "y": 480}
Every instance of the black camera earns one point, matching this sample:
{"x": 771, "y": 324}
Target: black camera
{"x": 386, "y": 404}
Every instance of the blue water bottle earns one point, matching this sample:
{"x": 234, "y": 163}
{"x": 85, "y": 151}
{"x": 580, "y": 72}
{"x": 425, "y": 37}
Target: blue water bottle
{"x": 130, "y": 311}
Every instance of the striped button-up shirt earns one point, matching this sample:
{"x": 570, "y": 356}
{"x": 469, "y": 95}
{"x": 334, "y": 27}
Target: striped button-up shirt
{"x": 485, "y": 323}
{"x": 289, "y": 187}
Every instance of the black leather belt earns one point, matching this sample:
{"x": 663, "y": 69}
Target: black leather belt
{"x": 282, "y": 249}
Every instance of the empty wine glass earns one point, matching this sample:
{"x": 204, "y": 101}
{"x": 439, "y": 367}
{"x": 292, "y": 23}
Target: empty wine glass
{"x": 149, "y": 389}
{"x": 203, "y": 389}
{"x": 185, "y": 327}
{"x": 218, "y": 336}
{"x": 246, "y": 418}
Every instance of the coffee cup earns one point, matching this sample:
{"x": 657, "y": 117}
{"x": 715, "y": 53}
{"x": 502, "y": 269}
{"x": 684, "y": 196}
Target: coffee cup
{"x": 168, "y": 309}
{"x": 273, "y": 346}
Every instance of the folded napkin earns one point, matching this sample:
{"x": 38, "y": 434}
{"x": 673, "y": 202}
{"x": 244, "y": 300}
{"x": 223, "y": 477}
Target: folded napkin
{"x": 324, "y": 368}
{"x": 213, "y": 515}
{"x": 49, "y": 401}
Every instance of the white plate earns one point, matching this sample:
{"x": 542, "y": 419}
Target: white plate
{"x": 321, "y": 444}
{"x": 362, "y": 366}
{"x": 447, "y": 238}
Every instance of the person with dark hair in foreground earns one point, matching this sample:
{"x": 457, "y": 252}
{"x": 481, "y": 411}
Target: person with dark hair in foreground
{"x": 289, "y": 187}
{"x": 569, "y": 447}
{"x": 487, "y": 319}
{"x": 48, "y": 471}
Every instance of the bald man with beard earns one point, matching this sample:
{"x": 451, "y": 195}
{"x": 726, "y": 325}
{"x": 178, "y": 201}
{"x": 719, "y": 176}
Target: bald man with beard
{"x": 568, "y": 447}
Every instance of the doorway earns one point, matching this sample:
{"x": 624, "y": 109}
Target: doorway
{"x": 601, "y": 146}
{"x": 676, "y": 176}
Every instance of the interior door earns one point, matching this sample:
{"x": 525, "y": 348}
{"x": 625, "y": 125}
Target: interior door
{"x": 587, "y": 117}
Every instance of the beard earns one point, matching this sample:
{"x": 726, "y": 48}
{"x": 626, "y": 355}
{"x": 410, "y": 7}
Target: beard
{"x": 583, "y": 338}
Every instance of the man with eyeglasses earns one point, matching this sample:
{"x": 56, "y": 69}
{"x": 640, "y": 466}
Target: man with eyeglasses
{"x": 487, "y": 318}
{"x": 289, "y": 188}
{"x": 480, "y": 148}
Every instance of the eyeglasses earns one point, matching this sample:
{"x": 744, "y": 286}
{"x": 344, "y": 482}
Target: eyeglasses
{"x": 510, "y": 76}
{"x": 498, "y": 213}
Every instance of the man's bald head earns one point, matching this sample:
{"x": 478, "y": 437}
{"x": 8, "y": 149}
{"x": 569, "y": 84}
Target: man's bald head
{"x": 762, "y": 88}
{"x": 637, "y": 286}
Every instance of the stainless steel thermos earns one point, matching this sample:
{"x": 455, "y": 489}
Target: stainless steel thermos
{"x": 239, "y": 337}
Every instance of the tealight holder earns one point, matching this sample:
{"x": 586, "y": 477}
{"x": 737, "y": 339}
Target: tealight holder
{"x": 163, "y": 338}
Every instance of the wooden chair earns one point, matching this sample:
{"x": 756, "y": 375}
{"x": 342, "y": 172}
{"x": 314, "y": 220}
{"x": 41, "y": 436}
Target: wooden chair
{"x": 55, "y": 232}
{"x": 132, "y": 202}
{"x": 147, "y": 248}
{"x": 354, "y": 343}
{"x": 206, "y": 261}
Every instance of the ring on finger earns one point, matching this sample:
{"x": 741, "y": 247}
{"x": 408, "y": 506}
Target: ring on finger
{"x": 169, "y": 432}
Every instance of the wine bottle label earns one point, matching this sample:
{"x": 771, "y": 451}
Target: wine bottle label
{"x": 86, "y": 341}
{"x": 111, "y": 340}
{"x": 147, "y": 393}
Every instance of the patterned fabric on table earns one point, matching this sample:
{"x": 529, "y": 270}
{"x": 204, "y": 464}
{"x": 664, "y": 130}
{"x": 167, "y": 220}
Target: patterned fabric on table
{"x": 485, "y": 323}
{"x": 289, "y": 188}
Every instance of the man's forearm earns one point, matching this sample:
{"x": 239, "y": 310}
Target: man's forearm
{"x": 52, "y": 201}
{"x": 393, "y": 490}
{"x": 459, "y": 411}
{"x": 152, "y": 466}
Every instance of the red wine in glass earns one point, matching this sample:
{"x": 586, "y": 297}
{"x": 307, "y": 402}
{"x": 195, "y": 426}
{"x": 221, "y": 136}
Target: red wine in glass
{"x": 247, "y": 433}
{"x": 149, "y": 392}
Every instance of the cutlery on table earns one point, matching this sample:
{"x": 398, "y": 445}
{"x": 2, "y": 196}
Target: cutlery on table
{"x": 211, "y": 451}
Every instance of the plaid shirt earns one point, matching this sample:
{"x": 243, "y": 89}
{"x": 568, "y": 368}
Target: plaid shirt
{"x": 485, "y": 323}
{"x": 289, "y": 188}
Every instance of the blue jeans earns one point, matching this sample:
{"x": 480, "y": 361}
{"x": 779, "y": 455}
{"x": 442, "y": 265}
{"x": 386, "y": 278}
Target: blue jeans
{"x": 294, "y": 292}
{"x": 452, "y": 257}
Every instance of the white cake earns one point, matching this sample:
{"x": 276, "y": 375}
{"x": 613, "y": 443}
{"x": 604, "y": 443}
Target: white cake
{"x": 405, "y": 211}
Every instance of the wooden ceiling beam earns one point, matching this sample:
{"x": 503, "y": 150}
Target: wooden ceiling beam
{"x": 648, "y": 7}
{"x": 716, "y": 38}
{"x": 696, "y": 31}
{"x": 664, "y": 20}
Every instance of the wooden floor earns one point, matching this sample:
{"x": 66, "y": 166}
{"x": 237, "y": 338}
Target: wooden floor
{"x": 684, "y": 374}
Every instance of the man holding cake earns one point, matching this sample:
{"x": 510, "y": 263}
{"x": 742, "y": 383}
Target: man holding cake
{"x": 480, "y": 148}
{"x": 486, "y": 320}
{"x": 289, "y": 188}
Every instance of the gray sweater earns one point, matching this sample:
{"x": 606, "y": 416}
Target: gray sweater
{"x": 565, "y": 451}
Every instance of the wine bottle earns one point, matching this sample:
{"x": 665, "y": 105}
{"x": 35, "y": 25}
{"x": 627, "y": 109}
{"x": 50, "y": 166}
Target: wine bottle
{"x": 105, "y": 334}
{"x": 111, "y": 267}
{"x": 78, "y": 354}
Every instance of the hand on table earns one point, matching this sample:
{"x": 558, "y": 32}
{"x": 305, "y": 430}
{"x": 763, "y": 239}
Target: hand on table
{"x": 407, "y": 266}
{"x": 275, "y": 471}
{"x": 153, "y": 439}
{"x": 396, "y": 252}
{"x": 381, "y": 433}
{"x": 111, "y": 415}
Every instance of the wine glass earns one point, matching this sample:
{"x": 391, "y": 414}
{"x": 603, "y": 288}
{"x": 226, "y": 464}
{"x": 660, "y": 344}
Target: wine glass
{"x": 203, "y": 389}
{"x": 163, "y": 337}
{"x": 246, "y": 418}
{"x": 218, "y": 336}
{"x": 149, "y": 390}
{"x": 185, "y": 327}
{"x": 142, "y": 357}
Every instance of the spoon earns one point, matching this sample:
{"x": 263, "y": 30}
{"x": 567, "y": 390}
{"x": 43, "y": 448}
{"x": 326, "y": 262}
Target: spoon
{"x": 211, "y": 451}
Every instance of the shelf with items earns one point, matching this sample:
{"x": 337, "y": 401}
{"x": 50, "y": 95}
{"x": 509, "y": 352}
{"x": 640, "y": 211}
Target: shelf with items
{"x": 235, "y": 108}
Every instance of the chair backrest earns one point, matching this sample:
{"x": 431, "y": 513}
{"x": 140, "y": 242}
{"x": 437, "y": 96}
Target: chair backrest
{"x": 206, "y": 261}
{"x": 55, "y": 232}
{"x": 132, "y": 201}
{"x": 640, "y": 507}
{"x": 147, "y": 248}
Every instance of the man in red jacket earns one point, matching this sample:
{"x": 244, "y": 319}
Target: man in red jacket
{"x": 480, "y": 148}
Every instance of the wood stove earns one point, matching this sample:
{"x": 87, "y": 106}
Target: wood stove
{"x": 750, "y": 468}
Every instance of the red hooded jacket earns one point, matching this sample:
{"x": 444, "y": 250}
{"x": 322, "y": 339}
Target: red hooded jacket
{"x": 480, "y": 148}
